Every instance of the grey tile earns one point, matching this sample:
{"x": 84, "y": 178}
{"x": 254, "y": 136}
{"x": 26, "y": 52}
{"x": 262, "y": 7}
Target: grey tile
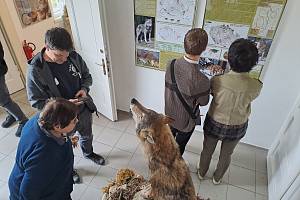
{"x": 261, "y": 197}
{"x": 104, "y": 175}
{"x": 87, "y": 170}
{"x": 4, "y": 191}
{"x": 195, "y": 143}
{"x": 214, "y": 192}
{"x": 109, "y": 136}
{"x": 119, "y": 159}
{"x": 91, "y": 193}
{"x": 244, "y": 156}
{"x": 261, "y": 183}
{"x": 261, "y": 160}
{"x": 235, "y": 193}
{"x": 128, "y": 142}
{"x": 8, "y": 144}
{"x": 241, "y": 177}
{"x": 139, "y": 164}
{"x": 192, "y": 160}
{"x": 78, "y": 190}
{"x": 6, "y": 166}
{"x": 100, "y": 121}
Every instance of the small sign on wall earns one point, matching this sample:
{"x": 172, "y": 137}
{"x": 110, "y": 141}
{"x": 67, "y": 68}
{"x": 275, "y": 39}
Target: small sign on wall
{"x": 32, "y": 11}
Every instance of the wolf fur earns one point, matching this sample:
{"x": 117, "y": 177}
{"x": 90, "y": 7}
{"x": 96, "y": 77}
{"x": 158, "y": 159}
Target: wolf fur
{"x": 169, "y": 175}
{"x": 144, "y": 29}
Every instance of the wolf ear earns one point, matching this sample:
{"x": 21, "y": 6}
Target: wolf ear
{"x": 167, "y": 120}
{"x": 148, "y": 136}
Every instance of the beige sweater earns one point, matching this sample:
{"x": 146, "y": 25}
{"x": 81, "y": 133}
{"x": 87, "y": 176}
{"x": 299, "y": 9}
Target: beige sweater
{"x": 191, "y": 83}
{"x": 232, "y": 96}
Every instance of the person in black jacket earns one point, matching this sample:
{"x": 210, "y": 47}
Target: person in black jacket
{"x": 14, "y": 111}
{"x": 59, "y": 71}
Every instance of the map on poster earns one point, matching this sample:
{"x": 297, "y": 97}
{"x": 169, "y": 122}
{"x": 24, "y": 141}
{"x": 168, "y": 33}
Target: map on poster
{"x": 266, "y": 20}
{"x": 171, "y": 33}
{"x": 176, "y": 11}
{"x": 227, "y": 20}
{"x": 222, "y": 34}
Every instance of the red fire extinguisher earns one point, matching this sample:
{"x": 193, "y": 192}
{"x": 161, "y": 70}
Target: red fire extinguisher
{"x": 28, "y": 49}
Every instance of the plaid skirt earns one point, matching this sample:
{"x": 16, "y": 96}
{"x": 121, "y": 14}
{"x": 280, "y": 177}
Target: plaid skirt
{"x": 222, "y": 131}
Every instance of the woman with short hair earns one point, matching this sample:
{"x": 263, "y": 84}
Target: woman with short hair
{"x": 44, "y": 159}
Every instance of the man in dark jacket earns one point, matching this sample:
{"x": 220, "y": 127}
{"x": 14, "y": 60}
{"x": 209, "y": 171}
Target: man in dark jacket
{"x": 58, "y": 71}
{"x": 13, "y": 110}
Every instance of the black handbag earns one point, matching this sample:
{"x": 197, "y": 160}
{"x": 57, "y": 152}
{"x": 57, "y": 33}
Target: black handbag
{"x": 195, "y": 115}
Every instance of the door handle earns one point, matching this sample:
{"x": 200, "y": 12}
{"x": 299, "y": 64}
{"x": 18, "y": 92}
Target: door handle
{"x": 103, "y": 66}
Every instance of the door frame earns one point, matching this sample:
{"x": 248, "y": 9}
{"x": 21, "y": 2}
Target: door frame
{"x": 77, "y": 44}
{"x": 12, "y": 52}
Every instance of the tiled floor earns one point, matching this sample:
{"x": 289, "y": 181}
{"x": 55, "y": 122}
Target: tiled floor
{"x": 246, "y": 178}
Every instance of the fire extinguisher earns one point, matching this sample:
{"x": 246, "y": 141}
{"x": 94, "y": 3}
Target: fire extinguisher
{"x": 28, "y": 49}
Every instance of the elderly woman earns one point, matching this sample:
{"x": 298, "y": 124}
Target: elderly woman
{"x": 44, "y": 160}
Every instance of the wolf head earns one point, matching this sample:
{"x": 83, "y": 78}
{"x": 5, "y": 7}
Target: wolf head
{"x": 148, "y": 24}
{"x": 148, "y": 122}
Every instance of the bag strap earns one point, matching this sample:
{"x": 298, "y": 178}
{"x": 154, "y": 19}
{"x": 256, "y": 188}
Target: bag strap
{"x": 175, "y": 87}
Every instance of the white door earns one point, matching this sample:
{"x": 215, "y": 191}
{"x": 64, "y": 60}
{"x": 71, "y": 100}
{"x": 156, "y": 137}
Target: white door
{"x": 89, "y": 32}
{"x": 13, "y": 77}
{"x": 283, "y": 158}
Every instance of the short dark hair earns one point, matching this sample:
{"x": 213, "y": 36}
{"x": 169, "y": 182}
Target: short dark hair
{"x": 242, "y": 55}
{"x": 57, "y": 111}
{"x": 195, "y": 41}
{"x": 58, "y": 38}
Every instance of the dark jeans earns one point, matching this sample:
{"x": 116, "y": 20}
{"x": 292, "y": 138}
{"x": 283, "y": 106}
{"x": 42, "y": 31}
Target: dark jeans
{"x": 182, "y": 138}
{"x": 8, "y": 104}
{"x": 84, "y": 128}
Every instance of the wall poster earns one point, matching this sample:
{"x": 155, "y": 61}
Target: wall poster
{"x": 32, "y": 11}
{"x": 228, "y": 20}
{"x": 160, "y": 27}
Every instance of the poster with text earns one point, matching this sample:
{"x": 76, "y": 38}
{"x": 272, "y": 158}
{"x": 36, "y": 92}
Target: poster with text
{"x": 228, "y": 20}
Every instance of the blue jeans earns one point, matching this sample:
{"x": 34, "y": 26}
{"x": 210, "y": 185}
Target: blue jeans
{"x": 8, "y": 104}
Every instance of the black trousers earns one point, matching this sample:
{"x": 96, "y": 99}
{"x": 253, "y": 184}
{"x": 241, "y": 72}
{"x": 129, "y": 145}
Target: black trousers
{"x": 182, "y": 138}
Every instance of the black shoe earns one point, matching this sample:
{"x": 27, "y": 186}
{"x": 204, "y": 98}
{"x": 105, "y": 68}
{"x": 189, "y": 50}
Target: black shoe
{"x": 76, "y": 177}
{"x": 19, "y": 130}
{"x": 8, "y": 121}
{"x": 99, "y": 160}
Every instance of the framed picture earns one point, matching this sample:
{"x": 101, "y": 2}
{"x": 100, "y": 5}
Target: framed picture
{"x": 32, "y": 11}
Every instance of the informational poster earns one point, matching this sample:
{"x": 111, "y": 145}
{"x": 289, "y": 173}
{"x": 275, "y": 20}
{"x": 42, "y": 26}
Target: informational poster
{"x": 227, "y": 20}
{"x": 160, "y": 27}
{"x": 32, "y": 11}
{"x": 176, "y": 11}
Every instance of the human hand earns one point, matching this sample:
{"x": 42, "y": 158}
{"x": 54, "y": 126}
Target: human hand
{"x": 80, "y": 93}
{"x": 74, "y": 140}
{"x": 77, "y": 102}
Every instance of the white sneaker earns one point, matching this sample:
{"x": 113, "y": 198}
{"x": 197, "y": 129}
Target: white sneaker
{"x": 198, "y": 165}
{"x": 216, "y": 182}
{"x": 199, "y": 176}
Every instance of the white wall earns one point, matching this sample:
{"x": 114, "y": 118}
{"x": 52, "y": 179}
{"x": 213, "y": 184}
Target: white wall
{"x": 281, "y": 83}
{"x": 32, "y": 33}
